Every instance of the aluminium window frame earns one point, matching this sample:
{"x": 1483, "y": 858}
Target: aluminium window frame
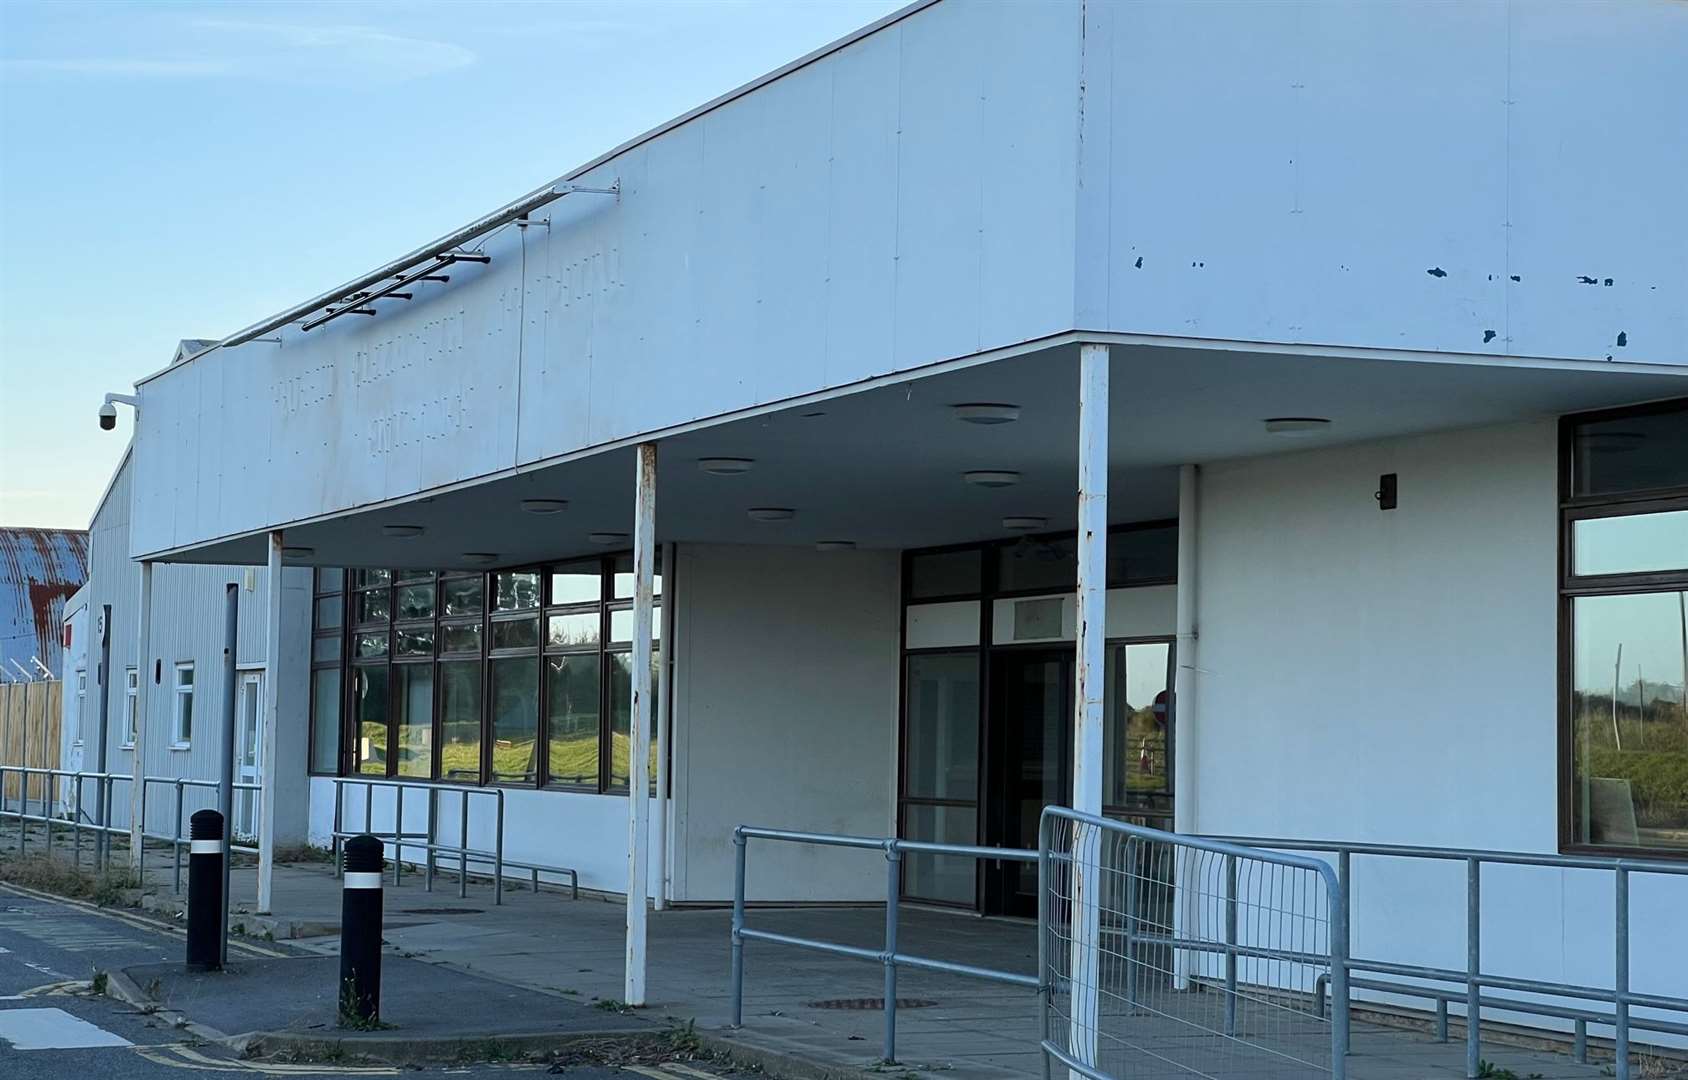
{"x": 1570, "y": 586}
{"x": 180, "y": 691}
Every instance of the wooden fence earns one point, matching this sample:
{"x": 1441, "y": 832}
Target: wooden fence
{"x": 30, "y": 716}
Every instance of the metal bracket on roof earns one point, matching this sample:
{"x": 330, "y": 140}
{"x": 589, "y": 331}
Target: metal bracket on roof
{"x": 390, "y": 281}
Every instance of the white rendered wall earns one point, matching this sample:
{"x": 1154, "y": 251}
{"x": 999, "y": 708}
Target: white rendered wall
{"x": 785, "y": 699}
{"x": 1392, "y": 677}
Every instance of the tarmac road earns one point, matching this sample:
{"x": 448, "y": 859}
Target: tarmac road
{"x": 53, "y": 1028}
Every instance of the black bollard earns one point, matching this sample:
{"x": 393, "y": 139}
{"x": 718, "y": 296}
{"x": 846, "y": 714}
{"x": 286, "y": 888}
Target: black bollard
{"x": 205, "y": 891}
{"x": 360, "y": 933}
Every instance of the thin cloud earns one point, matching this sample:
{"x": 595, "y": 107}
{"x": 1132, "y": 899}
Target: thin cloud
{"x": 271, "y": 51}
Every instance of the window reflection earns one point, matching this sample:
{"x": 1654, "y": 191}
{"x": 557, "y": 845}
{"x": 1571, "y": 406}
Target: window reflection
{"x": 413, "y": 708}
{"x": 1629, "y": 720}
{"x": 1631, "y": 544}
{"x": 571, "y": 694}
{"x": 370, "y": 704}
{"x": 515, "y": 719}
{"x": 1137, "y": 750}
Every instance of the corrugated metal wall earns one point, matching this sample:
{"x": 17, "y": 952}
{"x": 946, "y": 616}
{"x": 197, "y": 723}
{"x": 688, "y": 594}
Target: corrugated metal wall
{"x": 39, "y": 570}
{"x": 187, "y": 625}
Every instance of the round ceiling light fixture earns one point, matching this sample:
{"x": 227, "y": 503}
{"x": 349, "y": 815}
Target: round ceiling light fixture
{"x": 402, "y": 532}
{"x": 1296, "y": 427}
{"x": 835, "y": 545}
{"x": 726, "y": 466}
{"x": 992, "y": 478}
{"x": 297, "y": 552}
{"x": 606, "y": 538}
{"x": 772, "y": 513}
{"x": 1024, "y": 523}
{"x": 986, "y": 412}
{"x": 480, "y": 558}
{"x": 545, "y": 506}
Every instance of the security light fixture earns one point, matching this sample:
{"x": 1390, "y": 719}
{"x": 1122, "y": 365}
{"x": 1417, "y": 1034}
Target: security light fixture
{"x": 772, "y": 513}
{"x": 992, "y": 478}
{"x": 1024, "y": 523}
{"x": 981, "y": 412}
{"x": 297, "y": 552}
{"x": 480, "y": 558}
{"x": 726, "y": 466}
{"x": 606, "y": 538}
{"x": 403, "y": 532}
{"x": 545, "y": 506}
{"x": 835, "y": 545}
{"x": 1296, "y": 427}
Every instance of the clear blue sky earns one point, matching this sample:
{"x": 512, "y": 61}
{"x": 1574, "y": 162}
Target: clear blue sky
{"x": 172, "y": 170}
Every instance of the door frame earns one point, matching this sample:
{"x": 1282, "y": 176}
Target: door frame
{"x": 999, "y": 802}
{"x": 248, "y": 805}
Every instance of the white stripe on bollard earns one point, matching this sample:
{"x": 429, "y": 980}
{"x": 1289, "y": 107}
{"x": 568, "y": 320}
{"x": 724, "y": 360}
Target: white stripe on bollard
{"x": 205, "y": 847}
{"x": 363, "y": 879}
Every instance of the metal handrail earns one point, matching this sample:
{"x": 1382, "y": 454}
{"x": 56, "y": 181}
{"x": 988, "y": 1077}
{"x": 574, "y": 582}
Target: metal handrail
{"x": 78, "y": 822}
{"x": 428, "y": 840}
{"x": 1474, "y": 979}
{"x": 889, "y": 956}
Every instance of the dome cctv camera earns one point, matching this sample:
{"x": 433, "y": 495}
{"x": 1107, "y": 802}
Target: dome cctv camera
{"x": 108, "y": 417}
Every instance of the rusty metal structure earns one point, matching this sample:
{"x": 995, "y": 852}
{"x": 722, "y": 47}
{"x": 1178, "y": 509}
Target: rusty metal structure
{"x": 39, "y": 570}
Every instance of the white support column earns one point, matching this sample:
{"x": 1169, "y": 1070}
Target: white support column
{"x": 1187, "y": 909}
{"x": 1091, "y": 687}
{"x": 1184, "y": 677}
{"x": 143, "y": 679}
{"x": 271, "y": 763}
{"x": 639, "y": 759}
{"x": 660, "y": 826}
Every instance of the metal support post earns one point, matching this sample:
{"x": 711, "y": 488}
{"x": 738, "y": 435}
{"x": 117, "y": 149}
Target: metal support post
{"x": 738, "y": 930}
{"x": 893, "y": 892}
{"x": 639, "y": 761}
{"x": 225, "y": 793}
{"x": 1473, "y": 966}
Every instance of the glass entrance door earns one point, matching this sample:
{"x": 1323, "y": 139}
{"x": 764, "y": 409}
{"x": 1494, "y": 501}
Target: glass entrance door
{"x": 1031, "y": 764}
{"x": 249, "y": 754}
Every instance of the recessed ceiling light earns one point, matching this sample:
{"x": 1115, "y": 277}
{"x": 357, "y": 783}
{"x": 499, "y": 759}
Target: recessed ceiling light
{"x": 1296, "y": 427}
{"x": 772, "y": 513}
{"x": 979, "y": 412}
{"x": 545, "y": 506}
{"x": 992, "y": 478}
{"x": 726, "y": 466}
{"x": 480, "y": 558}
{"x": 401, "y": 531}
{"x": 835, "y": 545}
{"x": 1024, "y": 523}
{"x": 606, "y": 538}
{"x": 297, "y": 552}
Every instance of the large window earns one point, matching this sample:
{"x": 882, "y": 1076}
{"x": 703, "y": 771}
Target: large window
{"x": 517, "y": 676}
{"x": 1624, "y": 696}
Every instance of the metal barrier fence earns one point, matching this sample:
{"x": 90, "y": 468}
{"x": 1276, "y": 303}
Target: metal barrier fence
{"x": 1473, "y": 980}
{"x": 53, "y": 786}
{"x": 889, "y": 955}
{"x": 1169, "y": 954}
{"x": 429, "y": 841}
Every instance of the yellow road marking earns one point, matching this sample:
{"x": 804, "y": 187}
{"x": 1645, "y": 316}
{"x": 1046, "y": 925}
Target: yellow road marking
{"x": 54, "y": 988}
{"x": 281, "y": 1069}
{"x": 152, "y": 1055}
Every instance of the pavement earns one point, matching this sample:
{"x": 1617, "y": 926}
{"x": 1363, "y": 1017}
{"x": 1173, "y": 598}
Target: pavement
{"x": 55, "y": 1026}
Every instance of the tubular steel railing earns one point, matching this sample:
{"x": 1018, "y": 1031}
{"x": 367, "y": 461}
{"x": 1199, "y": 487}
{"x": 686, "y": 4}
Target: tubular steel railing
{"x": 54, "y": 785}
{"x": 428, "y": 841}
{"x": 1473, "y": 980}
{"x": 889, "y": 955}
{"x": 1163, "y": 953}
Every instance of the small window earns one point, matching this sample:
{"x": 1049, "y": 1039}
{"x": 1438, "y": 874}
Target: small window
{"x": 515, "y": 590}
{"x": 624, "y": 577}
{"x": 182, "y": 732}
{"x": 1639, "y": 450}
{"x": 945, "y": 573}
{"x": 131, "y": 688}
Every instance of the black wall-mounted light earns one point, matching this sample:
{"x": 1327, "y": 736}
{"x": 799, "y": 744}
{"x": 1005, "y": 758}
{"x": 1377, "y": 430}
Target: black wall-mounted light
{"x": 1386, "y": 492}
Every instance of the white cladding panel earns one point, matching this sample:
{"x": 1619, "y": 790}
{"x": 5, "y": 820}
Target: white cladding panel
{"x": 1391, "y": 677}
{"x": 904, "y": 200}
{"x": 1379, "y": 174}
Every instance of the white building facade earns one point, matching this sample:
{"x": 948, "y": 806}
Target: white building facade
{"x": 1381, "y": 453}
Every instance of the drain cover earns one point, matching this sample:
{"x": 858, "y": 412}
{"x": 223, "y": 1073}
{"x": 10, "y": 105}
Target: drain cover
{"x": 440, "y": 911}
{"x": 868, "y": 1003}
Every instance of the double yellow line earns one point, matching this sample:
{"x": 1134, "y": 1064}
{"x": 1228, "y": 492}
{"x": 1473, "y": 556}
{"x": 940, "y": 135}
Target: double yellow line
{"x": 182, "y": 1056}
